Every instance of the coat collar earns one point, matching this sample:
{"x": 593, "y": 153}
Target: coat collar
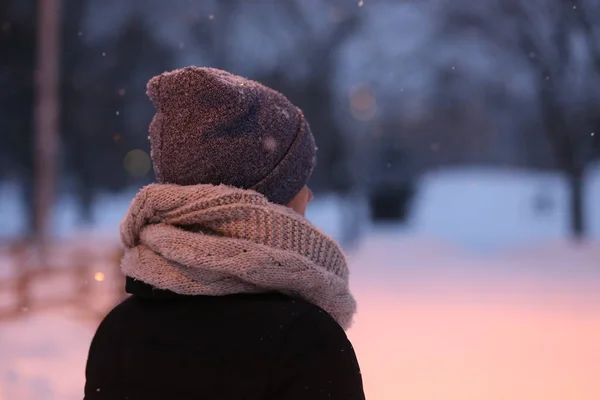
{"x": 142, "y": 289}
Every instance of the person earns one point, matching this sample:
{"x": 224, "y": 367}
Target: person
{"x": 233, "y": 293}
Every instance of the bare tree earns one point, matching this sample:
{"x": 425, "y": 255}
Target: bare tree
{"x": 588, "y": 15}
{"x": 546, "y": 36}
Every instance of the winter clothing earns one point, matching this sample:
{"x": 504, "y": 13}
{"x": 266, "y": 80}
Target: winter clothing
{"x": 158, "y": 345}
{"x": 234, "y": 296}
{"x": 219, "y": 240}
{"x": 212, "y": 127}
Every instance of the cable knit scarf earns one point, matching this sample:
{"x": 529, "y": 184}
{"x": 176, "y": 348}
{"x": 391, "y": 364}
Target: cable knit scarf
{"x": 219, "y": 240}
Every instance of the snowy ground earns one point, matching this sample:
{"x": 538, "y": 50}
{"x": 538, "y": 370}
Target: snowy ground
{"x": 479, "y": 298}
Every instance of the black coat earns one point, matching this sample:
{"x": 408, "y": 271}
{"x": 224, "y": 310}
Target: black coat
{"x": 161, "y": 345}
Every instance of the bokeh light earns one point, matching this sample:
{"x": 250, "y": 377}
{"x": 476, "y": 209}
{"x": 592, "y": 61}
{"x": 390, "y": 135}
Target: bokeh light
{"x": 137, "y": 163}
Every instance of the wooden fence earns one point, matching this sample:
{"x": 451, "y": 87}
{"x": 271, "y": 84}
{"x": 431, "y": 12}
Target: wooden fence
{"x": 69, "y": 278}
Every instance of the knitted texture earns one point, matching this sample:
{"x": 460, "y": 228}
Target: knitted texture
{"x": 219, "y": 240}
{"x": 213, "y": 127}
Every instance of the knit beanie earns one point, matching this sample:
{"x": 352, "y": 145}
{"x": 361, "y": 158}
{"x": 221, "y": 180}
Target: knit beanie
{"x": 212, "y": 127}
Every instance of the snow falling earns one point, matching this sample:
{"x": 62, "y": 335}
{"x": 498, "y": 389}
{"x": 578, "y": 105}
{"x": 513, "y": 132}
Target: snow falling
{"x": 458, "y": 168}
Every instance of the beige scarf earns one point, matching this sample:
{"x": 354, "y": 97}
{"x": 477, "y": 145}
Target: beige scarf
{"x": 219, "y": 240}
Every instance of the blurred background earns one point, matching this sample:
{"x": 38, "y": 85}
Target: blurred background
{"x": 459, "y": 166}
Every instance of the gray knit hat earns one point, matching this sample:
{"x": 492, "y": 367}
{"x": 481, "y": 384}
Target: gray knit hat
{"x": 212, "y": 127}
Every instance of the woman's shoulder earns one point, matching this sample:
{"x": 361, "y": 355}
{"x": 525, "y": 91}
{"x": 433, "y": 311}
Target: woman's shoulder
{"x": 298, "y": 313}
{"x": 317, "y": 328}
{"x": 316, "y": 359}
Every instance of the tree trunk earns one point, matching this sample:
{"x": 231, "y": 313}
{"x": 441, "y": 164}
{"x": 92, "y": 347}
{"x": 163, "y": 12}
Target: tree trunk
{"x": 352, "y": 219}
{"x": 576, "y": 209}
{"x": 27, "y": 198}
{"x": 46, "y": 114}
{"x": 86, "y": 204}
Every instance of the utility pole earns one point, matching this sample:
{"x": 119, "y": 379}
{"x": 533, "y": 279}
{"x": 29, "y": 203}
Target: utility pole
{"x": 47, "y": 104}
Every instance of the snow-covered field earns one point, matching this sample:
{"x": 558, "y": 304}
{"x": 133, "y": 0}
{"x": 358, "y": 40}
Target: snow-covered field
{"x": 480, "y": 297}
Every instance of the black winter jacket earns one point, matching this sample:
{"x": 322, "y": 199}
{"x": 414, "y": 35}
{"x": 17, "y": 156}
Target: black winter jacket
{"x": 158, "y": 345}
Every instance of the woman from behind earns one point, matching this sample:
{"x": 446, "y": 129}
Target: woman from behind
{"x": 234, "y": 294}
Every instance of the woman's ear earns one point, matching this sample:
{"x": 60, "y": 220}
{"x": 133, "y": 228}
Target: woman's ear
{"x": 300, "y": 202}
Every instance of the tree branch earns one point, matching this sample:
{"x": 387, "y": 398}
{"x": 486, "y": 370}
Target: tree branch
{"x": 588, "y": 30}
